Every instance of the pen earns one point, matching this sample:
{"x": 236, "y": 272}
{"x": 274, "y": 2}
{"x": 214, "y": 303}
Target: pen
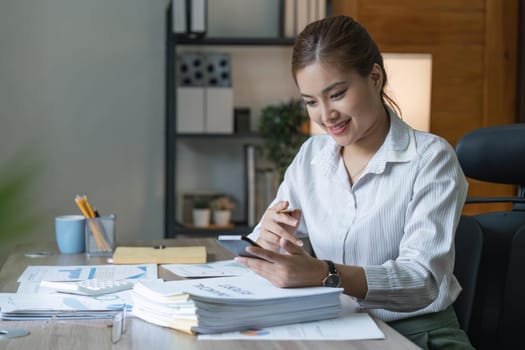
{"x": 286, "y": 211}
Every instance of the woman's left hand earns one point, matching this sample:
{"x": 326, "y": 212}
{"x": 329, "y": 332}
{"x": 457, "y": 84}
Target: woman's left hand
{"x": 294, "y": 268}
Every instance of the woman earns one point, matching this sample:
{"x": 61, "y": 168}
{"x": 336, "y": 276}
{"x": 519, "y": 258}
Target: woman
{"x": 379, "y": 201}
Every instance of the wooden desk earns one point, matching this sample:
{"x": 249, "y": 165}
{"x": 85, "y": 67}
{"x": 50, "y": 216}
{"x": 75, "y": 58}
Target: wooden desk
{"x": 95, "y": 334}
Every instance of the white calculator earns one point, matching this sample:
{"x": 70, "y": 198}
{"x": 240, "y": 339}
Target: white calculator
{"x": 89, "y": 287}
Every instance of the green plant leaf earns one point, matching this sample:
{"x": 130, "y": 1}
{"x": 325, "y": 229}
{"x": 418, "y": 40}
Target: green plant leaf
{"x": 281, "y": 128}
{"x": 16, "y": 178}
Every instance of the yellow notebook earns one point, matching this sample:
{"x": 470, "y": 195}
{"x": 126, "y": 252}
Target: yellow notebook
{"x": 162, "y": 255}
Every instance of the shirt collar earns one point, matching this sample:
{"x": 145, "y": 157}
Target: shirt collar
{"x": 399, "y": 144}
{"x": 399, "y": 147}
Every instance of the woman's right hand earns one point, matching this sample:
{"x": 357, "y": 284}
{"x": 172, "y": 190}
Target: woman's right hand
{"x": 277, "y": 224}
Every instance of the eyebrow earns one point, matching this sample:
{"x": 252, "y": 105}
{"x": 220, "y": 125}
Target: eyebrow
{"x": 328, "y": 88}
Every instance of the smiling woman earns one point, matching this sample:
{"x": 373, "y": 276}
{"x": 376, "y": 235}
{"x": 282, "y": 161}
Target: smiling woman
{"x": 349, "y": 107}
{"x": 379, "y": 201}
{"x": 410, "y": 86}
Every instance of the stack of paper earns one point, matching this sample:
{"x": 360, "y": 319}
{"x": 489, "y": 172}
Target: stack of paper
{"x": 215, "y": 305}
{"x": 15, "y": 306}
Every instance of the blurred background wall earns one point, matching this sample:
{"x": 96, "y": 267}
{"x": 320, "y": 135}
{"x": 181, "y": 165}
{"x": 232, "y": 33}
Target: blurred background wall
{"x": 82, "y": 106}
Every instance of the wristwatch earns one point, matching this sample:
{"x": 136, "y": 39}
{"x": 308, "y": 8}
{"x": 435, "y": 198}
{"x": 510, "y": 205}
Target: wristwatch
{"x": 332, "y": 279}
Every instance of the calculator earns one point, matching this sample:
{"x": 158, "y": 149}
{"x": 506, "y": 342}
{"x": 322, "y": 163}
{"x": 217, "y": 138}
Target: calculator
{"x": 90, "y": 287}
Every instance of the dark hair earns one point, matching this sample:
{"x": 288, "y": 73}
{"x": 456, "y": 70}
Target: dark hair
{"x": 342, "y": 42}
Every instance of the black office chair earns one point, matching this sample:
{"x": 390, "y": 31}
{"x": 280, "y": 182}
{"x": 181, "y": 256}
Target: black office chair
{"x": 497, "y": 154}
{"x": 513, "y": 304}
{"x": 468, "y": 242}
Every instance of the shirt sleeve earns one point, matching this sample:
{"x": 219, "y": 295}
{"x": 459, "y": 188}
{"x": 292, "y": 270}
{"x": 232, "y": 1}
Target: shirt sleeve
{"x": 287, "y": 192}
{"x": 426, "y": 253}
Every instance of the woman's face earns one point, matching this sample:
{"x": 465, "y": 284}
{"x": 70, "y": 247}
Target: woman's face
{"x": 346, "y": 105}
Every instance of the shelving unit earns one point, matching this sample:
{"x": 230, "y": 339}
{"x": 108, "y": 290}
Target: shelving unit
{"x": 236, "y": 41}
{"x": 172, "y": 227}
{"x": 217, "y": 136}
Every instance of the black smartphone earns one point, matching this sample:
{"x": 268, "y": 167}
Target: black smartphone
{"x": 237, "y": 244}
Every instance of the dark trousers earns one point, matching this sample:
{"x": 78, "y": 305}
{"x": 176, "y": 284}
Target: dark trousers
{"x": 439, "y": 330}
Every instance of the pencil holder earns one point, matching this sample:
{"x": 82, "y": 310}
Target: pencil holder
{"x": 100, "y": 236}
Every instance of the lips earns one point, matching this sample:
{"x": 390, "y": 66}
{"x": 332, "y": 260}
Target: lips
{"x": 338, "y": 128}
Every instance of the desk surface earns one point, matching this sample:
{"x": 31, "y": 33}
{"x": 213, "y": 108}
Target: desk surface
{"x": 95, "y": 334}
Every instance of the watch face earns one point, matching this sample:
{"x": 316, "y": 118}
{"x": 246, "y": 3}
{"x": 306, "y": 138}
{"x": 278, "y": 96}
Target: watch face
{"x": 332, "y": 280}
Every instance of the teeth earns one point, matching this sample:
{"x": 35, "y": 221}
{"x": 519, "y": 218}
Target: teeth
{"x": 342, "y": 125}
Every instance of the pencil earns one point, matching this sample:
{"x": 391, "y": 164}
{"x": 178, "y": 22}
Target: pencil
{"x": 82, "y": 206}
{"x": 88, "y": 212}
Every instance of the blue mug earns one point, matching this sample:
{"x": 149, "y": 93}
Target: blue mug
{"x": 70, "y": 233}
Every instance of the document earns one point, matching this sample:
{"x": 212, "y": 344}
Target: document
{"x": 214, "y": 269}
{"x": 29, "y": 284}
{"x": 37, "y": 273}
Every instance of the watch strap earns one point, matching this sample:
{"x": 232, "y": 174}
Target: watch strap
{"x": 332, "y": 279}
{"x": 331, "y": 267}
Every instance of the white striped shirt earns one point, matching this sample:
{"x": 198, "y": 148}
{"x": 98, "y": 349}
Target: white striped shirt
{"x": 398, "y": 221}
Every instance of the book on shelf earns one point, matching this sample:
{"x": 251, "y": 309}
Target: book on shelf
{"x": 178, "y": 12}
{"x": 198, "y": 15}
{"x": 189, "y": 18}
{"x": 266, "y": 188}
{"x": 289, "y": 19}
{"x": 216, "y": 305}
{"x": 250, "y": 185}
{"x": 296, "y": 14}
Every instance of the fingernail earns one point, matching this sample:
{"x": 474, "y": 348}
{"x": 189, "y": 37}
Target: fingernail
{"x": 299, "y": 243}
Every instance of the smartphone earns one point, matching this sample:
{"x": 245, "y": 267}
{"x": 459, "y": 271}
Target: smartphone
{"x": 237, "y": 244}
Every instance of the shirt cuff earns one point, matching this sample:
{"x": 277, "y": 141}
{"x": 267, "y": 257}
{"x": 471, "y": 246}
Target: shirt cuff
{"x": 378, "y": 284}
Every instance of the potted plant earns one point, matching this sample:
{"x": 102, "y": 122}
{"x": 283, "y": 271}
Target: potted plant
{"x": 18, "y": 214}
{"x": 284, "y": 128}
{"x": 222, "y": 210}
{"x": 201, "y": 213}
